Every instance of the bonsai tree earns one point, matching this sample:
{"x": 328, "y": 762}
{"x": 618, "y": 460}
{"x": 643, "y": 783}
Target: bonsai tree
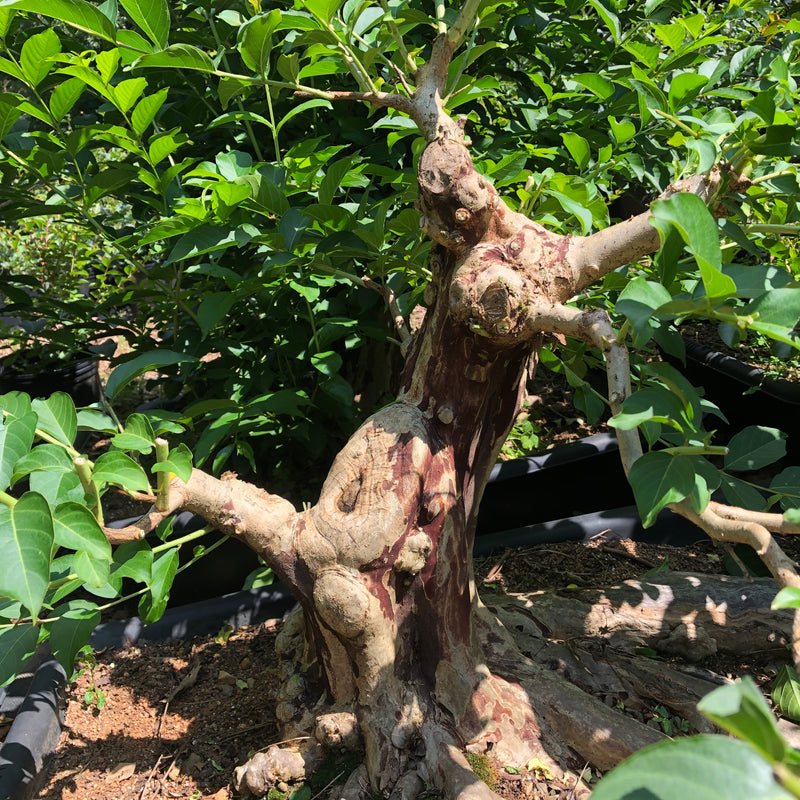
{"x": 394, "y": 652}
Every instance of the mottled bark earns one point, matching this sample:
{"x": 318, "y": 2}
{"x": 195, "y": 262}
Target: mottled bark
{"x": 393, "y": 651}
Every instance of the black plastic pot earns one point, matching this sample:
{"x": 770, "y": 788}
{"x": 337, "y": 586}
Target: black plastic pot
{"x": 567, "y": 481}
{"x": 745, "y": 394}
{"x": 573, "y": 492}
{"x": 78, "y": 377}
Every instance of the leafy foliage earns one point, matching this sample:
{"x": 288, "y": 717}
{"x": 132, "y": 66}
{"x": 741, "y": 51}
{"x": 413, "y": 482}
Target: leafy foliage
{"x": 238, "y": 220}
{"x": 51, "y": 539}
{"x": 758, "y": 763}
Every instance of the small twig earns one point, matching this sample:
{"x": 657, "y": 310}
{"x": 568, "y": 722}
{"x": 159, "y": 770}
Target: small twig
{"x": 327, "y": 785}
{"x": 401, "y": 77}
{"x": 616, "y": 551}
{"x": 729, "y": 549}
{"x": 132, "y": 533}
{"x": 391, "y": 301}
{"x": 578, "y": 782}
{"x": 495, "y": 574}
{"x": 285, "y": 741}
{"x": 189, "y": 680}
{"x": 150, "y": 777}
{"x": 243, "y": 731}
{"x": 377, "y": 99}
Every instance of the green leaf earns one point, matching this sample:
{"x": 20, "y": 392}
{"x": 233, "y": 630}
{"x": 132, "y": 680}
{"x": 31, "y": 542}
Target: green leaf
{"x": 213, "y": 309}
{"x": 787, "y": 483}
{"x": 755, "y": 447}
{"x": 323, "y": 9}
{"x": 226, "y": 196}
{"x": 740, "y": 709}
{"x": 16, "y": 438}
{"x": 739, "y": 493}
{"x": 152, "y": 16}
{"x": 786, "y": 693}
{"x": 146, "y": 110}
{"x": 775, "y": 313}
{"x": 597, "y": 84}
{"x": 610, "y": 19}
{"x": 659, "y": 479}
{"x": 152, "y": 605}
{"x": 254, "y": 41}
{"x": 705, "y": 767}
{"x": 9, "y": 114}
{"x": 698, "y": 229}
{"x": 334, "y": 175}
{"x": 75, "y": 527}
{"x": 107, "y": 63}
{"x": 138, "y": 435}
{"x": 36, "y": 55}
{"x": 639, "y": 300}
{"x": 177, "y": 56}
{"x": 64, "y": 97}
{"x": 57, "y": 487}
{"x": 328, "y": 363}
{"x": 15, "y": 404}
{"x": 652, "y": 403}
{"x": 50, "y": 457}
{"x": 203, "y": 239}
{"x": 76, "y": 13}
{"x": 684, "y": 88}
{"x": 133, "y": 560}
{"x": 71, "y": 630}
{"x": 179, "y": 462}
{"x": 142, "y": 363}
{"x": 316, "y": 102}
{"x": 788, "y": 597}
{"x": 122, "y": 470}
{"x": 127, "y": 92}
{"x": 578, "y": 148}
{"x": 26, "y": 541}
{"x": 57, "y": 417}
{"x": 16, "y": 647}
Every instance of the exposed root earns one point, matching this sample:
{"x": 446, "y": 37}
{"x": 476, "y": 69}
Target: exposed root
{"x": 279, "y": 765}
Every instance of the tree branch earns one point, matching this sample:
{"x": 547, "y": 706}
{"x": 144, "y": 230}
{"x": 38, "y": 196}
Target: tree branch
{"x": 263, "y": 521}
{"x": 592, "y": 257}
{"x": 397, "y": 317}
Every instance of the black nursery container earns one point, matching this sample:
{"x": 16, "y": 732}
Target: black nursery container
{"x": 745, "y": 394}
{"x": 78, "y": 377}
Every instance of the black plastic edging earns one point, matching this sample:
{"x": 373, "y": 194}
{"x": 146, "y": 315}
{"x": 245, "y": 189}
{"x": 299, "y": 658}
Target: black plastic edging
{"x": 35, "y": 700}
{"x": 198, "y": 619}
{"x": 753, "y": 377}
{"x": 617, "y": 523}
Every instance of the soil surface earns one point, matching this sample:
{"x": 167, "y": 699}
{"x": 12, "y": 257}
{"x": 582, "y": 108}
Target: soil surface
{"x": 178, "y": 717}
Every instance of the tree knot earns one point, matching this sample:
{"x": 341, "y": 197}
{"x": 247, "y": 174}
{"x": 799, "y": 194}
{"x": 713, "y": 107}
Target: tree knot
{"x": 414, "y": 553}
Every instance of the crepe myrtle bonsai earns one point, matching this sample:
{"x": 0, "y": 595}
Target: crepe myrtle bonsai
{"x": 395, "y": 649}
{"x": 394, "y": 653}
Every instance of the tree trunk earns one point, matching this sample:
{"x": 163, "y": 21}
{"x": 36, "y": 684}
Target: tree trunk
{"x": 397, "y": 647}
{"x": 395, "y": 653}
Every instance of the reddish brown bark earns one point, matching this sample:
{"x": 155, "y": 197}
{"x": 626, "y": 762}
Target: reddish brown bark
{"x": 395, "y": 650}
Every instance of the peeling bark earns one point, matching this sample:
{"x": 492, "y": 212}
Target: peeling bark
{"x": 394, "y": 652}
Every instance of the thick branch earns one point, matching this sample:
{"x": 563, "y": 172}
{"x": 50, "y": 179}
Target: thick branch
{"x": 261, "y": 520}
{"x": 592, "y": 257}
